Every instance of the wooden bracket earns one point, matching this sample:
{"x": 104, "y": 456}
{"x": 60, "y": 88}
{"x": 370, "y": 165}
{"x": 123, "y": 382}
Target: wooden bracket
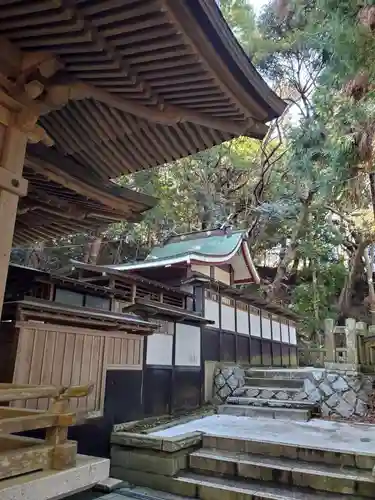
{"x": 12, "y": 183}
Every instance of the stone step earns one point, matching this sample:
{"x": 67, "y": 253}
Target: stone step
{"x": 288, "y": 383}
{"x": 306, "y": 453}
{"x": 273, "y": 403}
{"x": 269, "y": 392}
{"x": 264, "y": 412}
{"x": 276, "y": 374}
{"x": 217, "y": 488}
{"x": 319, "y": 477}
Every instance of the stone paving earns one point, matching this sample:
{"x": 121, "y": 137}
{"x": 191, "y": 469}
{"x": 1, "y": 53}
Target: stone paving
{"x": 316, "y": 433}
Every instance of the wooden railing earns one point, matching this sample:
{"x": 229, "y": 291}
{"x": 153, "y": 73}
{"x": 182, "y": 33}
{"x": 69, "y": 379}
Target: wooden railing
{"x": 21, "y": 455}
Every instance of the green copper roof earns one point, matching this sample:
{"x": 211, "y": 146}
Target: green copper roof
{"x": 215, "y": 245}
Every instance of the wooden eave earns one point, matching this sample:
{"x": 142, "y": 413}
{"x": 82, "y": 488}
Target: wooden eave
{"x": 125, "y": 277}
{"x": 138, "y": 83}
{"x": 240, "y": 294}
{"x": 157, "y": 309}
{"x": 59, "y": 202}
{"x": 31, "y": 309}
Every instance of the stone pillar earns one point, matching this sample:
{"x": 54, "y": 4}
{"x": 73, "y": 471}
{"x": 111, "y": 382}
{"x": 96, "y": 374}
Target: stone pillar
{"x": 329, "y": 340}
{"x": 351, "y": 341}
{"x": 361, "y": 329}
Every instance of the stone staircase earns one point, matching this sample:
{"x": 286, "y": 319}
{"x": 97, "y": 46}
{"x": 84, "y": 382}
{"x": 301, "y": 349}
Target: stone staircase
{"x": 227, "y": 468}
{"x": 272, "y": 394}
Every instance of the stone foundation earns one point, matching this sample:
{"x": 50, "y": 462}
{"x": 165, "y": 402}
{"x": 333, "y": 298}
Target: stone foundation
{"x": 341, "y": 394}
{"x": 341, "y": 391}
{"x": 227, "y": 378}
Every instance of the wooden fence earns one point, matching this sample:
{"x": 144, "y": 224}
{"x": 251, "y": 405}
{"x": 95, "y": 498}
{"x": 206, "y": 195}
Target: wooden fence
{"x": 22, "y": 455}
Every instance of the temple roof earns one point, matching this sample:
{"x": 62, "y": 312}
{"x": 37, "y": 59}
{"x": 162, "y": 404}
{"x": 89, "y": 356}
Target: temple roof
{"x": 215, "y": 247}
{"x": 128, "y": 85}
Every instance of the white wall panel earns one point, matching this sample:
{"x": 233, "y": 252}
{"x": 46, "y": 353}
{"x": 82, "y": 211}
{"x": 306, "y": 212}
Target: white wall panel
{"x": 221, "y": 275}
{"x": 284, "y": 333}
{"x": 188, "y": 345}
{"x": 292, "y": 334}
{"x": 255, "y": 330}
{"x": 266, "y": 325}
{"x": 276, "y": 329}
{"x": 242, "y": 322}
{"x": 159, "y": 349}
{"x": 212, "y": 311}
{"x": 201, "y": 269}
{"x": 227, "y": 318}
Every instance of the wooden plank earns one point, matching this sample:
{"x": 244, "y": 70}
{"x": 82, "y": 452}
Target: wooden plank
{"x": 14, "y": 463}
{"x": 7, "y": 395}
{"x": 36, "y": 363}
{"x": 130, "y": 353}
{"x": 6, "y": 412}
{"x": 23, "y": 356}
{"x": 79, "y": 330}
{"x": 11, "y": 442}
{"x": 101, "y": 375}
{"x": 92, "y": 402}
{"x": 66, "y": 378}
{"x": 85, "y": 367}
{"x": 77, "y": 363}
{"x": 58, "y": 362}
{"x": 48, "y": 363}
{"x": 117, "y": 351}
{"x": 28, "y": 423}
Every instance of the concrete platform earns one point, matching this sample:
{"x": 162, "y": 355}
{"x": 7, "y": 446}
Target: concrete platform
{"x": 316, "y": 433}
{"x": 54, "y": 485}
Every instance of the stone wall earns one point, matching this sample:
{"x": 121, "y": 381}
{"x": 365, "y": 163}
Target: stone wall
{"x": 227, "y": 378}
{"x": 340, "y": 393}
{"x": 341, "y": 390}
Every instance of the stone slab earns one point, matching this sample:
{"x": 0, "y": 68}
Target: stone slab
{"x": 336, "y": 479}
{"x": 154, "y": 481}
{"x": 272, "y": 403}
{"x": 54, "y": 485}
{"x": 215, "y": 488}
{"x": 157, "y": 462}
{"x": 108, "y": 485}
{"x": 285, "y": 383}
{"x": 294, "y": 452}
{"x": 265, "y": 412}
{"x": 182, "y": 442}
{"x": 316, "y": 433}
{"x": 137, "y": 440}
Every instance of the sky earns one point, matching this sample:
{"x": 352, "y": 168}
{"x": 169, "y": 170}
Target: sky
{"x": 257, "y": 4}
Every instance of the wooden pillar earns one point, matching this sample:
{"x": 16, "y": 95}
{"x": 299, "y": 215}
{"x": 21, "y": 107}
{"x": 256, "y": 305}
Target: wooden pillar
{"x": 329, "y": 340}
{"x": 12, "y": 155}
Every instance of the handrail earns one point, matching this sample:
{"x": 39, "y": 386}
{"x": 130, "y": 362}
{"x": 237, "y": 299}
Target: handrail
{"x": 24, "y": 455}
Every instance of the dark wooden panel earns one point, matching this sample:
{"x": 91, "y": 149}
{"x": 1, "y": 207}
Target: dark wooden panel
{"x": 285, "y": 354}
{"x": 186, "y": 392}
{"x": 210, "y": 345}
{"x": 255, "y": 351}
{"x": 228, "y": 347}
{"x": 276, "y": 354}
{"x": 157, "y": 390}
{"x": 293, "y": 355}
{"x": 122, "y": 403}
{"x": 8, "y": 351}
{"x": 266, "y": 352}
{"x": 243, "y": 348}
